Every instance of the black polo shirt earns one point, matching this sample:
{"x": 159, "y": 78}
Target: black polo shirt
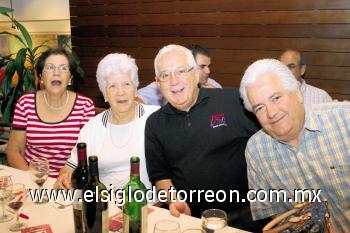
{"x": 202, "y": 149}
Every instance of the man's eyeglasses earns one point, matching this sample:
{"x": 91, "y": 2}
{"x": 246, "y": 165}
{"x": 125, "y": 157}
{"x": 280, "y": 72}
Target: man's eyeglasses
{"x": 292, "y": 66}
{"x": 50, "y": 68}
{"x": 179, "y": 72}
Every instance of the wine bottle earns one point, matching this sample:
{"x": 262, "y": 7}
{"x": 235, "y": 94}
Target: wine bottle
{"x": 135, "y": 207}
{"x": 79, "y": 181}
{"x": 95, "y": 201}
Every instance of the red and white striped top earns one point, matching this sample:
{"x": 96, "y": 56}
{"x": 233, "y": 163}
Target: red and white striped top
{"x": 53, "y": 141}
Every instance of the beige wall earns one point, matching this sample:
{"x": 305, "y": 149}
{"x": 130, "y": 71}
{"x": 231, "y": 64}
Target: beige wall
{"x": 44, "y": 20}
{"x": 39, "y": 16}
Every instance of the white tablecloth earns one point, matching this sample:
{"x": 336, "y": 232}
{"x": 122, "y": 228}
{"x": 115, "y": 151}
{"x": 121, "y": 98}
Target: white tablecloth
{"x": 61, "y": 220}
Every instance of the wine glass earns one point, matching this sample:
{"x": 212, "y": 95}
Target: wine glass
{"x": 39, "y": 171}
{"x": 15, "y": 202}
{"x": 167, "y": 226}
{"x": 213, "y": 219}
{"x": 5, "y": 191}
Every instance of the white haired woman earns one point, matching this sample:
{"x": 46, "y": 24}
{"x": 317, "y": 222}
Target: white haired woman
{"x": 117, "y": 133}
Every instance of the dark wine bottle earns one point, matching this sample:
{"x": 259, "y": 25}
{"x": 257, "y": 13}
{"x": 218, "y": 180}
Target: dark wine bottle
{"x": 95, "y": 201}
{"x": 135, "y": 207}
{"x": 79, "y": 181}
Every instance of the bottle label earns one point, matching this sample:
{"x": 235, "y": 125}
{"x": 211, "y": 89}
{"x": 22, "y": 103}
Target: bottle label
{"x": 78, "y": 205}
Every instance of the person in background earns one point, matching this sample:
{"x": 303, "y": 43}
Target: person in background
{"x": 295, "y": 61}
{"x": 151, "y": 94}
{"x": 116, "y": 134}
{"x": 47, "y": 123}
{"x": 298, "y": 148}
{"x": 203, "y": 61}
{"x": 197, "y": 140}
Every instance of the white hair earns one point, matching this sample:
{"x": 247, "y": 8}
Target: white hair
{"x": 173, "y": 47}
{"x": 262, "y": 67}
{"x": 114, "y": 64}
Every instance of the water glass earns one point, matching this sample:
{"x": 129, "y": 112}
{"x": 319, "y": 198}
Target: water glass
{"x": 167, "y": 226}
{"x": 213, "y": 219}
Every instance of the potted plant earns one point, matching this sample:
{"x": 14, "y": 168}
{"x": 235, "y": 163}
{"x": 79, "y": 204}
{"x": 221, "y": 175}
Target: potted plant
{"x": 20, "y": 74}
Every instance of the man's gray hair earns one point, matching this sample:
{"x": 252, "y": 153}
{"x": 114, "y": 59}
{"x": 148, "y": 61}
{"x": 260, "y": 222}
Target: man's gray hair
{"x": 114, "y": 64}
{"x": 170, "y": 48}
{"x": 262, "y": 67}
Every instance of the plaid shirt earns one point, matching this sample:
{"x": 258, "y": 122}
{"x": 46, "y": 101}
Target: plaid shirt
{"x": 313, "y": 95}
{"x": 322, "y": 161}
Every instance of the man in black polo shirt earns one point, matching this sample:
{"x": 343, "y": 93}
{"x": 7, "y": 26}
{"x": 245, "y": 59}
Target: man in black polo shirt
{"x": 196, "y": 142}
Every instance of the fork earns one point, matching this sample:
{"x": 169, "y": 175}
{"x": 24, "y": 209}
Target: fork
{"x": 61, "y": 206}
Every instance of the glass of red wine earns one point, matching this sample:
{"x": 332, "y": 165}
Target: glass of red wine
{"x": 15, "y": 202}
{"x": 39, "y": 171}
{"x": 5, "y": 192}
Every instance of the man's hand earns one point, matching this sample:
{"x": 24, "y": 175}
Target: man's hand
{"x": 177, "y": 208}
{"x": 64, "y": 179}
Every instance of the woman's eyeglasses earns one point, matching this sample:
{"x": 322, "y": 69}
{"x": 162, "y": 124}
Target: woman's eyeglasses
{"x": 50, "y": 68}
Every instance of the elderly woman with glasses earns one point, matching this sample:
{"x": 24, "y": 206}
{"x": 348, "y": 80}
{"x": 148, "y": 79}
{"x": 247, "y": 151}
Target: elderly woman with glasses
{"x": 117, "y": 133}
{"x": 46, "y": 123}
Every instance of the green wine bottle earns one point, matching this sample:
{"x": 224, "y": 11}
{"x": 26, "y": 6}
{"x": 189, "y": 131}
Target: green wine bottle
{"x": 135, "y": 207}
{"x": 95, "y": 210}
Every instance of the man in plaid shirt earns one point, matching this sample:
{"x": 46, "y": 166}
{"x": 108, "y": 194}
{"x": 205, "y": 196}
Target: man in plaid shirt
{"x": 297, "y": 148}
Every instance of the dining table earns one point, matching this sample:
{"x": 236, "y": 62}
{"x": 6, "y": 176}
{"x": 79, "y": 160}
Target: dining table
{"x": 60, "y": 219}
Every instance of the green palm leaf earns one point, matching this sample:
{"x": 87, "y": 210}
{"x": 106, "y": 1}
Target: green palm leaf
{"x": 16, "y": 36}
{"x": 20, "y": 60}
{"x": 29, "y": 82}
{"x": 38, "y": 47}
{"x": 4, "y": 10}
{"x": 25, "y": 34}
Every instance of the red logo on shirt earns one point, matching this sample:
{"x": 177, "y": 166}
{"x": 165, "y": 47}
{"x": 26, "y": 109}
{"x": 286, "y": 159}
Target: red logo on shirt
{"x": 218, "y": 120}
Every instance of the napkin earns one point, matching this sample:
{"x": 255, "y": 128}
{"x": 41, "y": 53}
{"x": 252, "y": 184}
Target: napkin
{"x": 38, "y": 229}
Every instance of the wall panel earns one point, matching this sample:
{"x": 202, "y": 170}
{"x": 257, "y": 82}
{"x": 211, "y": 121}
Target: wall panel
{"x": 236, "y": 32}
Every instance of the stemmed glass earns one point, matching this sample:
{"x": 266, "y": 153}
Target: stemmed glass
{"x": 39, "y": 171}
{"x": 5, "y": 192}
{"x": 167, "y": 226}
{"x": 15, "y": 202}
{"x": 213, "y": 219}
